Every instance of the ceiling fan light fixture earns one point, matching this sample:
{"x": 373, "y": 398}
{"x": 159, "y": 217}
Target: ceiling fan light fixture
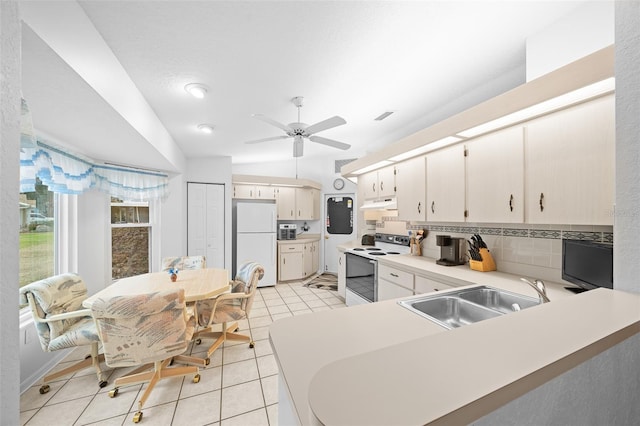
{"x": 196, "y": 90}
{"x": 205, "y": 128}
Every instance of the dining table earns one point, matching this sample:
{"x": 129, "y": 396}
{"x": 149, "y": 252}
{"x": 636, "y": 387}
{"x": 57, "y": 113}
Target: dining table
{"x": 198, "y": 284}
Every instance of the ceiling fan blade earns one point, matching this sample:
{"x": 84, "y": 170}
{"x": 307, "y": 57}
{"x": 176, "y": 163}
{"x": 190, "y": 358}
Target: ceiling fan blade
{"x": 268, "y": 139}
{"x": 268, "y": 120}
{"x": 325, "y": 124}
{"x": 330, "y": 142}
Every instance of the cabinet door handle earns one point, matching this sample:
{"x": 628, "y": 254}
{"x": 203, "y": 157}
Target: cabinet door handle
{"x": 381, "y": 186}
{"x": 340, "y": 261}
{"x": 251, "y": 193}
{"x": 541, "y": 198}
{"x": 433, "y": 207}
{"x": 419, "y": 207}
{"x": 394, "y": 275}
{"x": 511, "y": 203}
{"x": 374, "y": 187}
{"x": 284, "y": 260}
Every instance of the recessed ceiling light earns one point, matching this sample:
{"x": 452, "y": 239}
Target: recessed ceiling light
{"x": 197, "y": 90}
{"x": 205, "y": 128}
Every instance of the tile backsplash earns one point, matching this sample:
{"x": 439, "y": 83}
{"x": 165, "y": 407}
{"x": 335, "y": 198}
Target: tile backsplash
{"x": 528, "y": 250}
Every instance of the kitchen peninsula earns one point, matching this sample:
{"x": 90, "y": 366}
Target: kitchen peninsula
{"x": 382, "y": 364}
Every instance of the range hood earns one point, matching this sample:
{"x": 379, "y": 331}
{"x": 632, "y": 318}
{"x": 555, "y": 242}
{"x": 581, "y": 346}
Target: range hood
{"x": 388, "y": 204}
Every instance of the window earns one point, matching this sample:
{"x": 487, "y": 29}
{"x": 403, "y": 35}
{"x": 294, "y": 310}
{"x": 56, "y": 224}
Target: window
{"x": 130, "y": 238}
{"x": 37, "y": 242}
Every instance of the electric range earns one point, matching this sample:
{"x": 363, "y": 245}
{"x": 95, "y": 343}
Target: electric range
{"x": 362, "y": 267}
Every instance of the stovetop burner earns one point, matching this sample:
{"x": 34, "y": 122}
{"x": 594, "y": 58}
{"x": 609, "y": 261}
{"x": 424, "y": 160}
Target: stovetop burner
{"x": 358, "y": 249}
{"x": 373, "y": 248}
{"x": 377, "y": 253}
{"x": 393, "y": 252}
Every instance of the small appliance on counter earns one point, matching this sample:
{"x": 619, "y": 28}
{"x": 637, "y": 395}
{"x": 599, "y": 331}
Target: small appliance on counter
{"x": 451, "y": 250}
{"x": 287, "y": 231}
{"x": 368, "y": 240}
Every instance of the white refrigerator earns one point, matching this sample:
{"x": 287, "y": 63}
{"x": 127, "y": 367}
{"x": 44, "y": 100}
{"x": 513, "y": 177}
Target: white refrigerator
{"x": 255, "y": 237}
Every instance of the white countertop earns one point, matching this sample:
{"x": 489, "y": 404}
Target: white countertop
{"x": 327, "y": 357}
{"x": 303, "y": 238}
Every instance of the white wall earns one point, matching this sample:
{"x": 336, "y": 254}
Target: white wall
{"x": 94, "y": 240}
{"x": 589, "y": 28}
{"x": 626, "y": 267}
{"x": 173, "y": 220}
{"x": 9, "y": 220}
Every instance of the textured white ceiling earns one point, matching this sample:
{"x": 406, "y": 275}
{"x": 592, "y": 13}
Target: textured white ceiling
{"x": 355, "y": 59}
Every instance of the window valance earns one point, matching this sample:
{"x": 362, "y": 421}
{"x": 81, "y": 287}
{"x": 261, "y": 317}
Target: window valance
{"x": 71, "y": 173}
{"x": 68, "y": 173}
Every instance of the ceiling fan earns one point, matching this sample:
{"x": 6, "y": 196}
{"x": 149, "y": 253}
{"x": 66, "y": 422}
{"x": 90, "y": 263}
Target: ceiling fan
{"x": 299, "y": 131}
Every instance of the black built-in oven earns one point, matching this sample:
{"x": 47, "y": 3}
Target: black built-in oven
{"x": 361, "y": 277}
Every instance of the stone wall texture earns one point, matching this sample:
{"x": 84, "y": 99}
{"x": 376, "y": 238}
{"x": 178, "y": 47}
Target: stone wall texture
{"x": 130, "y": 251}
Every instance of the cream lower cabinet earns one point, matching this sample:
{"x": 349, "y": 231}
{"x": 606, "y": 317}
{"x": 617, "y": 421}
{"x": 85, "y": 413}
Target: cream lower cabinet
{"x": 290, "y": 262}
{"x": 446, "y": 185}
{"x": 570, "y": 165}
{"x": 311, "y": 258}
{"x": 393, "y": 283}
{"x": 297, "y": 261}
{"x": 411, "y": 190}
{"x": 342, "y": 274}
{"x": 428, "y": 285}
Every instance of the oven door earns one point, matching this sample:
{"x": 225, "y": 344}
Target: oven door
{"x": 361, "y": 279}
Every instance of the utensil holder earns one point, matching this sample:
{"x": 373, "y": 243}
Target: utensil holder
{"x": 484, "y": 265}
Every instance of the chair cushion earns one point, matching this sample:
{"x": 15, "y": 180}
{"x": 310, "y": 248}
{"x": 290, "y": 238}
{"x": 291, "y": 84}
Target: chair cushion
{"x": 226, "y": 311}
{"x": 184, "y": 262}
{"x": 143, "y": 328}
{"x": 81, "y": 333}
{"x": 55, "y": 295}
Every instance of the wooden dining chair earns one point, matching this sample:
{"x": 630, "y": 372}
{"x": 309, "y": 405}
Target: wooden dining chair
{"x": 145, "y": 330}
{"x": 228, "y": 308}
{"x": 61, "y": 321}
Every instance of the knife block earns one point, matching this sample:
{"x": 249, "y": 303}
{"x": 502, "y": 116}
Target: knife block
{"x": 484, "y": 265}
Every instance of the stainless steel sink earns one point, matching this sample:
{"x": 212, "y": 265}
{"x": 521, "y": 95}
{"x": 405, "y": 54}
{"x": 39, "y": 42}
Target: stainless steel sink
{"x": 499, "y": 300}
{"x": 451, "y": 312}
{"x": 457, "y": 308}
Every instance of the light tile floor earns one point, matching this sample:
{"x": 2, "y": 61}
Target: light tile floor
{"x": 239, "y": 387}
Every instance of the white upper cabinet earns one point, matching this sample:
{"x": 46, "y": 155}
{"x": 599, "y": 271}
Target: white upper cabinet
{"x": 446, "y": 185}
{"x": 286, "y": 201}
{"x": 298, "y": 203}
{"x": 379, "y": 184}
{"x": 261, "y": 192}
{"x": 570, "y": 163}
{"x": 412, "y": 189}
{"x": 495, "y": 177}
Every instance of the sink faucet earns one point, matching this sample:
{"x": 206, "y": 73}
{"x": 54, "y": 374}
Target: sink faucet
{"x": 538, "y": 286}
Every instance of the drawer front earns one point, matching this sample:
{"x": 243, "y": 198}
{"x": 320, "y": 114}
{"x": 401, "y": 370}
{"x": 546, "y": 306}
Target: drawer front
{"x": 291, "y": 248}
{"x": 396, "y": 276}
{"x": 388, "y": 290}
{"x": 427, "y": 285}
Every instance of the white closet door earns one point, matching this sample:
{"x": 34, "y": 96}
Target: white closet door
{"x": 205, "y": 222}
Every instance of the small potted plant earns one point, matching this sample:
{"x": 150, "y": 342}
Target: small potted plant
{"x": 173, "y": 272}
